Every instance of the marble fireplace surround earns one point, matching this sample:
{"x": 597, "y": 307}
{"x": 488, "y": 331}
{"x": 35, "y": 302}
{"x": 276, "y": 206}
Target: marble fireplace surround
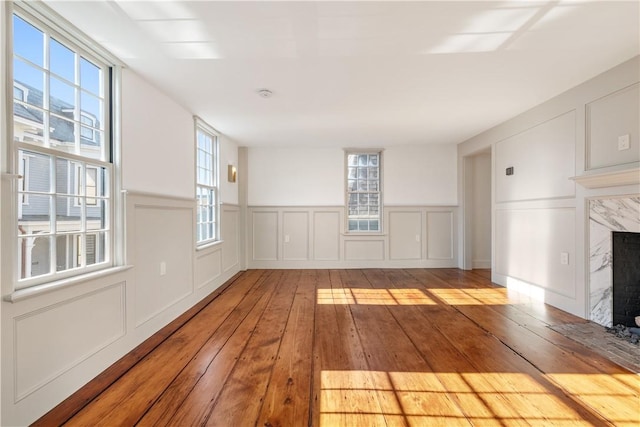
{"x": 607, "y": 215}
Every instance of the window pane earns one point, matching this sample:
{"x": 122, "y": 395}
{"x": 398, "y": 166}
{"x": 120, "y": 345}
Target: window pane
{"x": 34, "y": 254}
{"x": 352, "y": 160}
{"x": 62, "y": 60}
{"x": 36, "y": 216}
{"x": 31, "y": 80}
{"x": 28, "y": 41}
{"x": 62, "y": 98}
{"x": 68, "y": 213}
{"x": 90, "y": 77}
{"x": 90, "y": 110}
{"x": 95, "y": 248}
{"x": 69, "y": 251}
{"x": 96, "y": 215}
{"x": 39, "y": 171}
{"x": 363, "y": 160}
{"x": 28, "y": 125}
{"x": 63, "y": 132}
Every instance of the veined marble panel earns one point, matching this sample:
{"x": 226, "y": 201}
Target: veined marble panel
{"x": 605, "y": 216}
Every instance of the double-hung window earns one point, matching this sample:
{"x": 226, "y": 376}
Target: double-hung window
{"x": 206, "y": 183}
{"x": 364, "y": 191}
{"x": 65, "y": 204}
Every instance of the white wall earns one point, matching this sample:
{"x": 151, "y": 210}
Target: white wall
{"x": 156, "y": 133}
{"x": 420, "y": 175}
{"x": 295, "y": 176}
{"x": 413, "y": 175}
{"x": 84, "y": 327}
{"x": 539, "y": 211}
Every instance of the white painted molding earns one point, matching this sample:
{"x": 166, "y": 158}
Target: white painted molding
{"x": 609, "y": 179}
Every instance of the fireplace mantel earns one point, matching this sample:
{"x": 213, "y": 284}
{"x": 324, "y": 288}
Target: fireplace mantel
{"x": 609, "y": 179}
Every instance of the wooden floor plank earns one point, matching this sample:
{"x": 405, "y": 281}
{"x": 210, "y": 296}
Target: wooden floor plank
{"x": 412, "y": 393}
{"x": 199, "y": 402}
{"x": 286, "y": 402}
{"x": 164, "y": 409}
{"x": 393, "y": 347}
{"x": 252, "y": 372}
{"x": 129, "y": 397}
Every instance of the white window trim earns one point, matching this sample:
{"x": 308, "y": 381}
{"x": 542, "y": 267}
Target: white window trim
{"x": 379, "y": 151}
{"x": 200, "y": 124}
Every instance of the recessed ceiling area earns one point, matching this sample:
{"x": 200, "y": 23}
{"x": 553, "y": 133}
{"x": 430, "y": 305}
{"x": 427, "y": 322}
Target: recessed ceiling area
{"x": 358, "y": 74}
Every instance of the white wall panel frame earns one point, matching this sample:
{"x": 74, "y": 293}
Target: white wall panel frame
{"x": 230, "y": 231}
{"x": 96, "y": 304}
{"x": 607, "y": 118}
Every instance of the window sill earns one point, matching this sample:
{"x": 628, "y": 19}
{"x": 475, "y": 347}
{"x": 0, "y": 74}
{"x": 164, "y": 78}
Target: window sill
{"x": 209, "y": 245}
{"x": 363, "y": 234}
{"x": 44, "y": 288}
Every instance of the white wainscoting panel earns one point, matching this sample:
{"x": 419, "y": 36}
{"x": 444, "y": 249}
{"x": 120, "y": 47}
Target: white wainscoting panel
{"x": 314, "y": 237}
{"x": 608, "y": 118}
{"x": 326, "y": 236}
{"x": 54, "y": 339}
{"x": 265, "y": 235}
{"x": 164, "y": 247}
{"x": 295, "y": 229}
{"x": 529, "y": 244}
{"x": 440, "y": 235}
{"x": 208, "y": 266}
{"x": 364, "y": 250}
{"x": 405, "y": 235}
{"x": 230, "y": 235}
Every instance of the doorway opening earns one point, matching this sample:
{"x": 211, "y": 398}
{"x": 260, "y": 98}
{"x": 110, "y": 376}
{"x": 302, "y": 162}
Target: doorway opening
{"x": 477, "y": 188}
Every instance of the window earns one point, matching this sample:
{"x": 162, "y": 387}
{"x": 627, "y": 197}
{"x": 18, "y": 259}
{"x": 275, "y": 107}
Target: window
{"x": 206, "y": 184}
{"x": 63, "y": 151}
{"x": 364, "y": 195}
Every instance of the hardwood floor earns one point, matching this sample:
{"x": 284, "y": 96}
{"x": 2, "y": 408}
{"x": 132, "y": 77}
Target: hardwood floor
{"x": 362, "y": 348}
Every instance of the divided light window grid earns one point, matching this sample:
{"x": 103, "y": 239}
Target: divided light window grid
{"x": 363, "y": 192}
{"x": 62, "y": 151}
{"x": 206, "y": 186}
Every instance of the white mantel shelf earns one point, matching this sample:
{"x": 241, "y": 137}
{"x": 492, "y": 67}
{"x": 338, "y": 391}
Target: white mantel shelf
{"x": 609, "y": 179}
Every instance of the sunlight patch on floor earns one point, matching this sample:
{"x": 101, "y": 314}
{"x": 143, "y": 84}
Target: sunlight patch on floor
{"x": 366, "y": 296}
{"x": 493, "y": 398}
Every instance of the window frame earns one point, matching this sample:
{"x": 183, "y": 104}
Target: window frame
{"x": 380, "y": 192}
{"x": 202, "y": 126}
{"x": 54, "y": 27}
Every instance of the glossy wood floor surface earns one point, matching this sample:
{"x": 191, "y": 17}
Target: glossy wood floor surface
{"x": 366, "y": 348}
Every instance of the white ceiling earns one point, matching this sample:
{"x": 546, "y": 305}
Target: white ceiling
{"x": 355, "y": 74}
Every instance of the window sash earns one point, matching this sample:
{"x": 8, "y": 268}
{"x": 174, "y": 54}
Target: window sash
{"x": 363, "y": 185}
{"x": 207, "y": 191}
{"x": 67, "y": 248}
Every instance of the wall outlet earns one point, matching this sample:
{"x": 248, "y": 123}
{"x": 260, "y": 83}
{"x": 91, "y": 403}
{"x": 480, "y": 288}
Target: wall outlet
{"x": 417, "y": 237}
{"x": 623, "y": 142}
{"x": 163, "y": 268}
{"x": 287, "y": 239}
{"x": 564, "y": 258}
